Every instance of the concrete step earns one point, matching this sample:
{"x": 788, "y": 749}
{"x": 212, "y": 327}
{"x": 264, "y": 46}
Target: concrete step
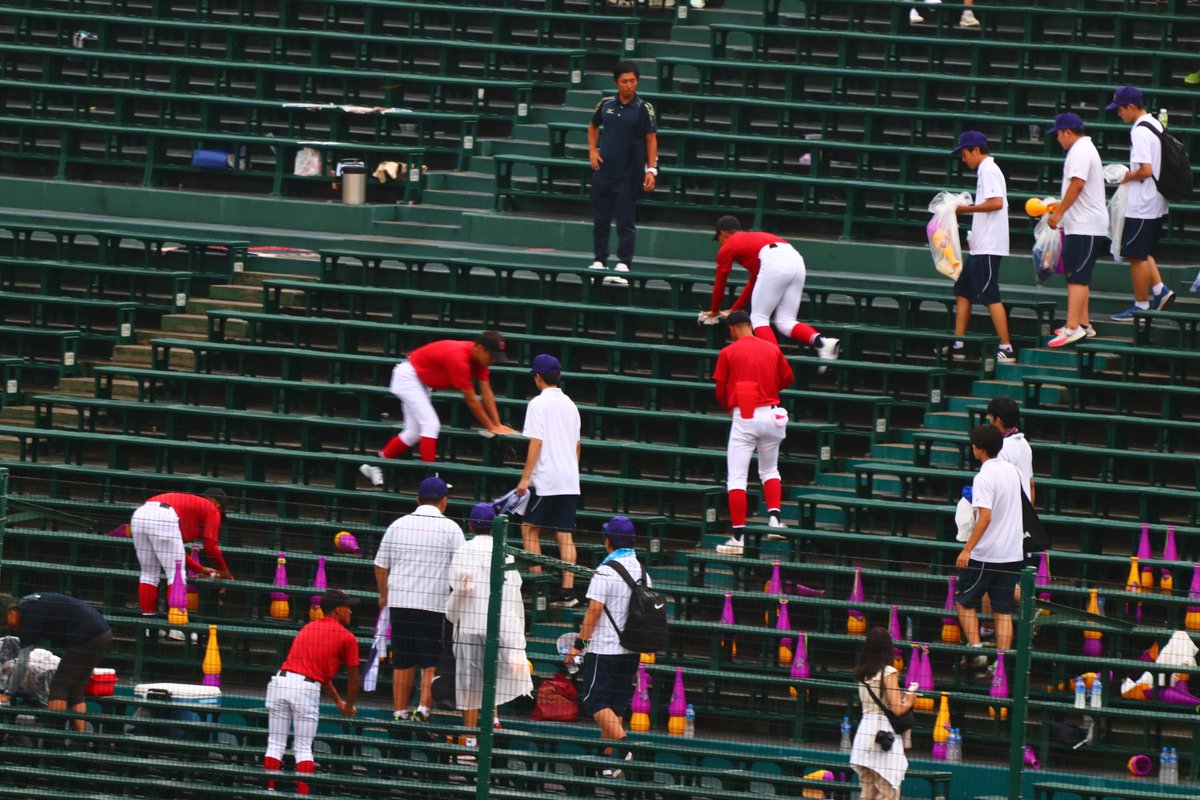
{"x": 145, "y": 337}
{"x": 948, "y": 420}
{"x": 539, "y": 146}
{"x": 238, "y": 294}
{"x": 256, "y": 278}
{"x": 462, "y": 198}
{"x": 199, "y": 305}
{"x": 173, "y": 324}
{"x": 985, "y": 390}
{"x": 418, "y": 230}
{"x": 437, "y": 213}
{"x": 472, "y": 181}
{"x": 17, "y": 415}
{"x": 85, "y": 387}
{"x": 138, "y": 355}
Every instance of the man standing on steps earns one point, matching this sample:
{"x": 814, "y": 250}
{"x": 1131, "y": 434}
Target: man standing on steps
{"x": 750, "y": 374}
{"x": 443, "y": 364}
{"x": 623, "y": 149}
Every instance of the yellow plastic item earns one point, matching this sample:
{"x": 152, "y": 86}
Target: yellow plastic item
{"x": 212, "y": 654}
{"x": 177, "y": 616}
{"x": 1036, "y": 207}
{"x": 941, "y": 725}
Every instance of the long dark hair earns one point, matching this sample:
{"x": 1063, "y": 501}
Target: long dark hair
{"x": 876, "y": 654}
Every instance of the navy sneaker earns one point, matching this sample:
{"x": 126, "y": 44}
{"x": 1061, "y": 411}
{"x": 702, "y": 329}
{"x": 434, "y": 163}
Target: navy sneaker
{"x": 1160, "y": 302}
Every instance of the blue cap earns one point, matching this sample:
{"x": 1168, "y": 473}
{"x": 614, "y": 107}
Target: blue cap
{"x": 1067, "y": 121}
{"x": 546, "y": 364}
{"x": 620, "y": 530}
{"x": 969, "y": 139}
{"x": 968, "y": 491}
{"x": 481, "y": 517}
{"x": 1124, "y": 96}
{"x": 433, "y": 488}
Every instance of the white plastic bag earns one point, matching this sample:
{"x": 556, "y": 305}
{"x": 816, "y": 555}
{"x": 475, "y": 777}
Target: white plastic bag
{"x": 308, "y": 162}
{"x": 942, "y": 232}
{"x": 1113, "y": 173}
{"x": 964, "y": 519}
{"x": 1047, "y": 250}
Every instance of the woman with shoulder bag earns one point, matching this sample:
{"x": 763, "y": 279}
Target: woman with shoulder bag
{"x": 878, "y": 753}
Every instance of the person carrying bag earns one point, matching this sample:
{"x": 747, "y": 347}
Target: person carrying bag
{"x": 878, "y": 754}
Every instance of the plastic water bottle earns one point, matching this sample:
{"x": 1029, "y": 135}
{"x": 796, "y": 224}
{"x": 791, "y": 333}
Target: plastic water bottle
{"x": 689, "y": 722}
{"x": 1096, "y": 698}
{"x": 1164, "y": 765}
{"x": 1173, "y": 777}
{"x": 846, "y": 744}
{"x": 954, "y": 745}
{"x": 1080, "y": 693}
{"x": 1162, "y": 117}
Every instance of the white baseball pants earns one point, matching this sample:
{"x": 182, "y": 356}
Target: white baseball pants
{"x": 158, "y": 542}
{"x": 779, "y": 287}
{"x": 764, "y": 433}
{"x": 293, "y": 703}
{"x": 420, "y": 420}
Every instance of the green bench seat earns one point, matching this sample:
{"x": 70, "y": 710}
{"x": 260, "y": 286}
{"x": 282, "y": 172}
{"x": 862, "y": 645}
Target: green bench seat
{"x": 152, "y": 289}
{"x": 1135, "y": 361}
{"x": 115, "y": 324}
{"x": 1096, "y": 394}
{"x": 53, "y": 349}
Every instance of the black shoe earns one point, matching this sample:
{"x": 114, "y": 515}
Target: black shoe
{"x": 564, "y": 598}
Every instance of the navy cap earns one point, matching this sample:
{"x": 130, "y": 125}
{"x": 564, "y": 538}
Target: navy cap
{"x": 620, "y": 530}
{"x": 1067, "y": 121}
{"x": 727, "y": 223}
{"x": 433, "y": 488}
{"x": 969, "y": 139}
{"x": 493, "y": 342}
{"x": 481, "y": 517}
{"x": 546, "y": 364}
{"x": 1124, "y": 96}
{"x": 738, "y": 317}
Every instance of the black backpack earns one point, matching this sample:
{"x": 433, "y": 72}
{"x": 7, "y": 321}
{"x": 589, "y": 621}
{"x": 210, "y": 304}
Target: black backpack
{"x": 1175, "y": 181}
{"x": 646, "y": 626}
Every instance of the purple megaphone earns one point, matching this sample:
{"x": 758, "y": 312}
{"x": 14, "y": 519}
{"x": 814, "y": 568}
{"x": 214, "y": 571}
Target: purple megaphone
{"x": 1178, "y": 695}
{"x": 1031, "y": 759}
{"x": 344, "y": 542}
{"x": 120, "y": 532}
{"x": 800, "y": 589}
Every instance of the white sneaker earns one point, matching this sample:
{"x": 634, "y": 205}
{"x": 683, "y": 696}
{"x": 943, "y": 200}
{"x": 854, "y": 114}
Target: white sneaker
{"x": 1006, "y": 356}
{"x": 617, "y": 280}
{"x": 372, "y": 473}
{"x": 774, "y": 521}
{"x": 698, "y": 3}
{"x": 1068, "y": 336}
{"x": 732, "y": 547}
{"x": 968, "y": 20}
{"x": 914, "y": 18}
{"x": 597, "y": 265}
{"x": 1088, "y": 331}
{"x": 829, "y": 351}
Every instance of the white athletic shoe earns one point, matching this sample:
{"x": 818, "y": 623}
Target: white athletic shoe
{"x": 914, "y": 18}
{"x": 617, "y": 280}
{"x": 372, "y": 473}
{"x": 597, "y": 265}
{"x": 968, "y": 20}
{"x": 829, "y": 351}
{"x": 1087, "y": 329}
{"x": 774, "y": 521}
{"x": 732, "y": 547}
{"x": 698, "y": 3}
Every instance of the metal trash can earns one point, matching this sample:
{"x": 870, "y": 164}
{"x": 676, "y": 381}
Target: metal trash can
{"x": 354, "y": 184}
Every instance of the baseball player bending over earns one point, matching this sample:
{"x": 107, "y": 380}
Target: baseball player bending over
{"x": 294, "y": 693}
{"x": 160, "y": 527}
{"x": 775, "y": 286}
{"x": 443, "y": 364}
{"x": 750, "y": 374}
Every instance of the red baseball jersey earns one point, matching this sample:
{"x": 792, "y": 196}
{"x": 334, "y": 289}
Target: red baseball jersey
{"x": 198, "y": 519}
{"x": 446, "y": 364}
{"x": 742, "y": 247}
{"x": 750, "y": 373}
{"x": 320, "y": 650}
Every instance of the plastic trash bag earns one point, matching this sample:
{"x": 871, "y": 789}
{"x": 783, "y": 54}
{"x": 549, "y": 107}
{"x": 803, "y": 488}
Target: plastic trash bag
{"x": 1047, "y": 250}
{"x": 308, "y": 162}
{"x": 29, "y": 673}
{"x": 1113, "y": 173}
{"x": 942, "y": 232}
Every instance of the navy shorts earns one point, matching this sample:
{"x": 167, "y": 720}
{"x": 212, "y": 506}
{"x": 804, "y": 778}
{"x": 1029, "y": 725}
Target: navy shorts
{"x": 607, "y": 682}
{"x": 997, "y": 581}
{"x": 554, "y": 512}
{"x": 1139, "y": 237}
{"x": 980, "y": 280}
{"x": 416, "y": 637}
{"x": 1079, "y": 255}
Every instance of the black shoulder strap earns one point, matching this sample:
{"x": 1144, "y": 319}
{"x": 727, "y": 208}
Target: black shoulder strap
{"x": 619, "y": 568}
{"x": 887, "y": 712}
{"x": 1154, "y": 130}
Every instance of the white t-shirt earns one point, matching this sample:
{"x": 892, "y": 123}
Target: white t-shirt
{"x": 417, "y": 550}
{"x": 611, "y": 589}
{"x": 989, "y": 231}
{"x": 998, "y": 487}
{"x": 1088, "y": 215}
{"x": 1017, "y": 452}
{"x": 553, "y": 418}
{"x": 1143, "y": 200}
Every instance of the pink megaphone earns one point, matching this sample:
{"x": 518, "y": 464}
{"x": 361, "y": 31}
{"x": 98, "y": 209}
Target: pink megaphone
{"x": 120, "y": 532}
{"x": 802, "y": 590}
{"x": 1140, "y": 766}
{"x": 1031, "y": 759}
{"x": 344, "y": 542}
{"x": 1178, "y": 695}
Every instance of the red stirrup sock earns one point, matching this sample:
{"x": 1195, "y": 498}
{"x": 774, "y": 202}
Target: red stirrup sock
{"x": 394, "y": 448}
{"x": 148, "y": 599}
{"x": 272, "y": 765}
{"x": 765, "y": 332}
{"x": 804, "y": 333}
{"x": 303, "y": 768}
{"x": 737, "y": 508}
{"x": 773, "y": 494}
{"x": 428, "y": 447}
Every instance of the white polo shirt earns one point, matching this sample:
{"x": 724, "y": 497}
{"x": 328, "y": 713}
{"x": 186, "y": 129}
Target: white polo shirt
{"x": 1017, "y": 452}
{"x": 1088, "y": 215}
{"x": 989, "y": 231}
{"x": 553, "y": 418}
{"x": 611, "y": 589}
{"x": 998, "y": 487}
{"x": 1143, "y": 200}
{"x": 417, "y": 550}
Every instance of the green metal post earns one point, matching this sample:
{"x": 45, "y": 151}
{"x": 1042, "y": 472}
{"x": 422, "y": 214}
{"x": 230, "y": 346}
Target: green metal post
{"x": 1020, "y": 684}
{"x": 483, "y": 773}
{"x": 3, "y": 511}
